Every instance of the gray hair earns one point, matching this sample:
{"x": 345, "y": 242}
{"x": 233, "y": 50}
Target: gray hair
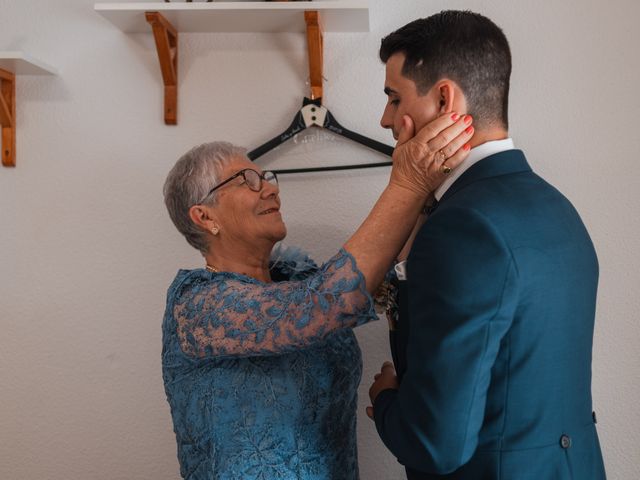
{"x": 189, "y": 181}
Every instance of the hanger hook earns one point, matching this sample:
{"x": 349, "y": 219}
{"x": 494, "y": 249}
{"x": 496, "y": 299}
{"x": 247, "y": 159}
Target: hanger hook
{"x": 307, "y": 82}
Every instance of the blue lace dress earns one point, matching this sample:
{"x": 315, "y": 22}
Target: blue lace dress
{"x": 262, "y": 377}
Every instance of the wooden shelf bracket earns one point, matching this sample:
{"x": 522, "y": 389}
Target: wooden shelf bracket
{"x": 234, "y": 16}
{"x": 8, "y": 117}
{"x": 166, "y": 37}
{"x": 315, "y": 47}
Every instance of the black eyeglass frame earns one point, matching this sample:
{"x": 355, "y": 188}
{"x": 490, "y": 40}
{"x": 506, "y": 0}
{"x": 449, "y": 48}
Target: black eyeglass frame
{"x": 241, "y": 173}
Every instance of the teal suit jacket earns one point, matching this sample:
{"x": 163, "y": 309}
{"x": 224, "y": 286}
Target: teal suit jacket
{"x": 499, "y": 314}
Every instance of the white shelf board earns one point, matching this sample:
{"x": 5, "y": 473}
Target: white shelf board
{"x": 240, "y": 16}
{"x": 22, "y": 64}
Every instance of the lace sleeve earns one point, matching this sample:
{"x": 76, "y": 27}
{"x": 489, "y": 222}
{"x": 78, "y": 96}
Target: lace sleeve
{"x": 226, "y": 315}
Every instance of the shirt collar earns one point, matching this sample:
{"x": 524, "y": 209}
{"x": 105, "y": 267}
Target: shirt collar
{"x": 478, "y": 153}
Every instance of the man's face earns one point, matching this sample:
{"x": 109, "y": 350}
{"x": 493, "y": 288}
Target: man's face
{"x": 403, "y": 99}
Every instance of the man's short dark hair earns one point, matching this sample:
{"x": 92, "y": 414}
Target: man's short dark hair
{"x": 462, "y": 46}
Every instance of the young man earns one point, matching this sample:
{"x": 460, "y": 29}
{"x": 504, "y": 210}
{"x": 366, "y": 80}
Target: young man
{"x": 497, "y": 310}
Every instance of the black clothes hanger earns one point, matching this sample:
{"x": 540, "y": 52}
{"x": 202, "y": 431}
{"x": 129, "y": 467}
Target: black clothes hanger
{"x": 313, "y": 113}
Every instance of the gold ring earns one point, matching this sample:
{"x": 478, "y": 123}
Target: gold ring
{"x": 445, "y": 169}
{"x": 443, "y": 155}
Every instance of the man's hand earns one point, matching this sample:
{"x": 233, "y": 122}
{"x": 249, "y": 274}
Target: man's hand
{"x": 382, "y": 381}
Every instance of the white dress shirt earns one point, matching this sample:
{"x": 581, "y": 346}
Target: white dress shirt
{"x": 475, "y": 155}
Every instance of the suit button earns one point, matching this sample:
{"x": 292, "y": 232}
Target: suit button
{"x": 593, "y": 414}
{"x": 565, "y": 441}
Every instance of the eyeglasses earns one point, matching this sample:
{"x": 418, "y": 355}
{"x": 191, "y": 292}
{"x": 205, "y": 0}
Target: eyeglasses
{"x": 252, "y": 179}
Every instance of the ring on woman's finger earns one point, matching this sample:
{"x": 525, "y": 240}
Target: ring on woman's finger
{"x": 446, "y": 169}
{"x": 443, "y": 156}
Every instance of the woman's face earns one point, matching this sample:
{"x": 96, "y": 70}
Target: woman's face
{"x": 244, "y": 215}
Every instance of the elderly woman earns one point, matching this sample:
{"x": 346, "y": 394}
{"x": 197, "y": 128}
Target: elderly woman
{"x": 260, "y": 364}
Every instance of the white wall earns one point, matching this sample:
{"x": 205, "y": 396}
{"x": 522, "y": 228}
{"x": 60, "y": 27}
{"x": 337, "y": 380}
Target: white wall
{"x": 87, "y": 250}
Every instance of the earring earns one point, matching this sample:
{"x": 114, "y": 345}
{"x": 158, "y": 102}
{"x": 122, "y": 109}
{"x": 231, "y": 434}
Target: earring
{"x": 215, "y": 230}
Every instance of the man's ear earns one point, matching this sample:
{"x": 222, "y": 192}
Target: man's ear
{"x": 447, "y": 92}
{"x": 202, "y": 217}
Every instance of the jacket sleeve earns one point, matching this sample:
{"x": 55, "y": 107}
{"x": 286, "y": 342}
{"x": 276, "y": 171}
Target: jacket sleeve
{"x": 462, "y": 292}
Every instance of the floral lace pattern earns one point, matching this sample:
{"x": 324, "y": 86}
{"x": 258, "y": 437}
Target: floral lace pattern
{"x": 262, "y": 377}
